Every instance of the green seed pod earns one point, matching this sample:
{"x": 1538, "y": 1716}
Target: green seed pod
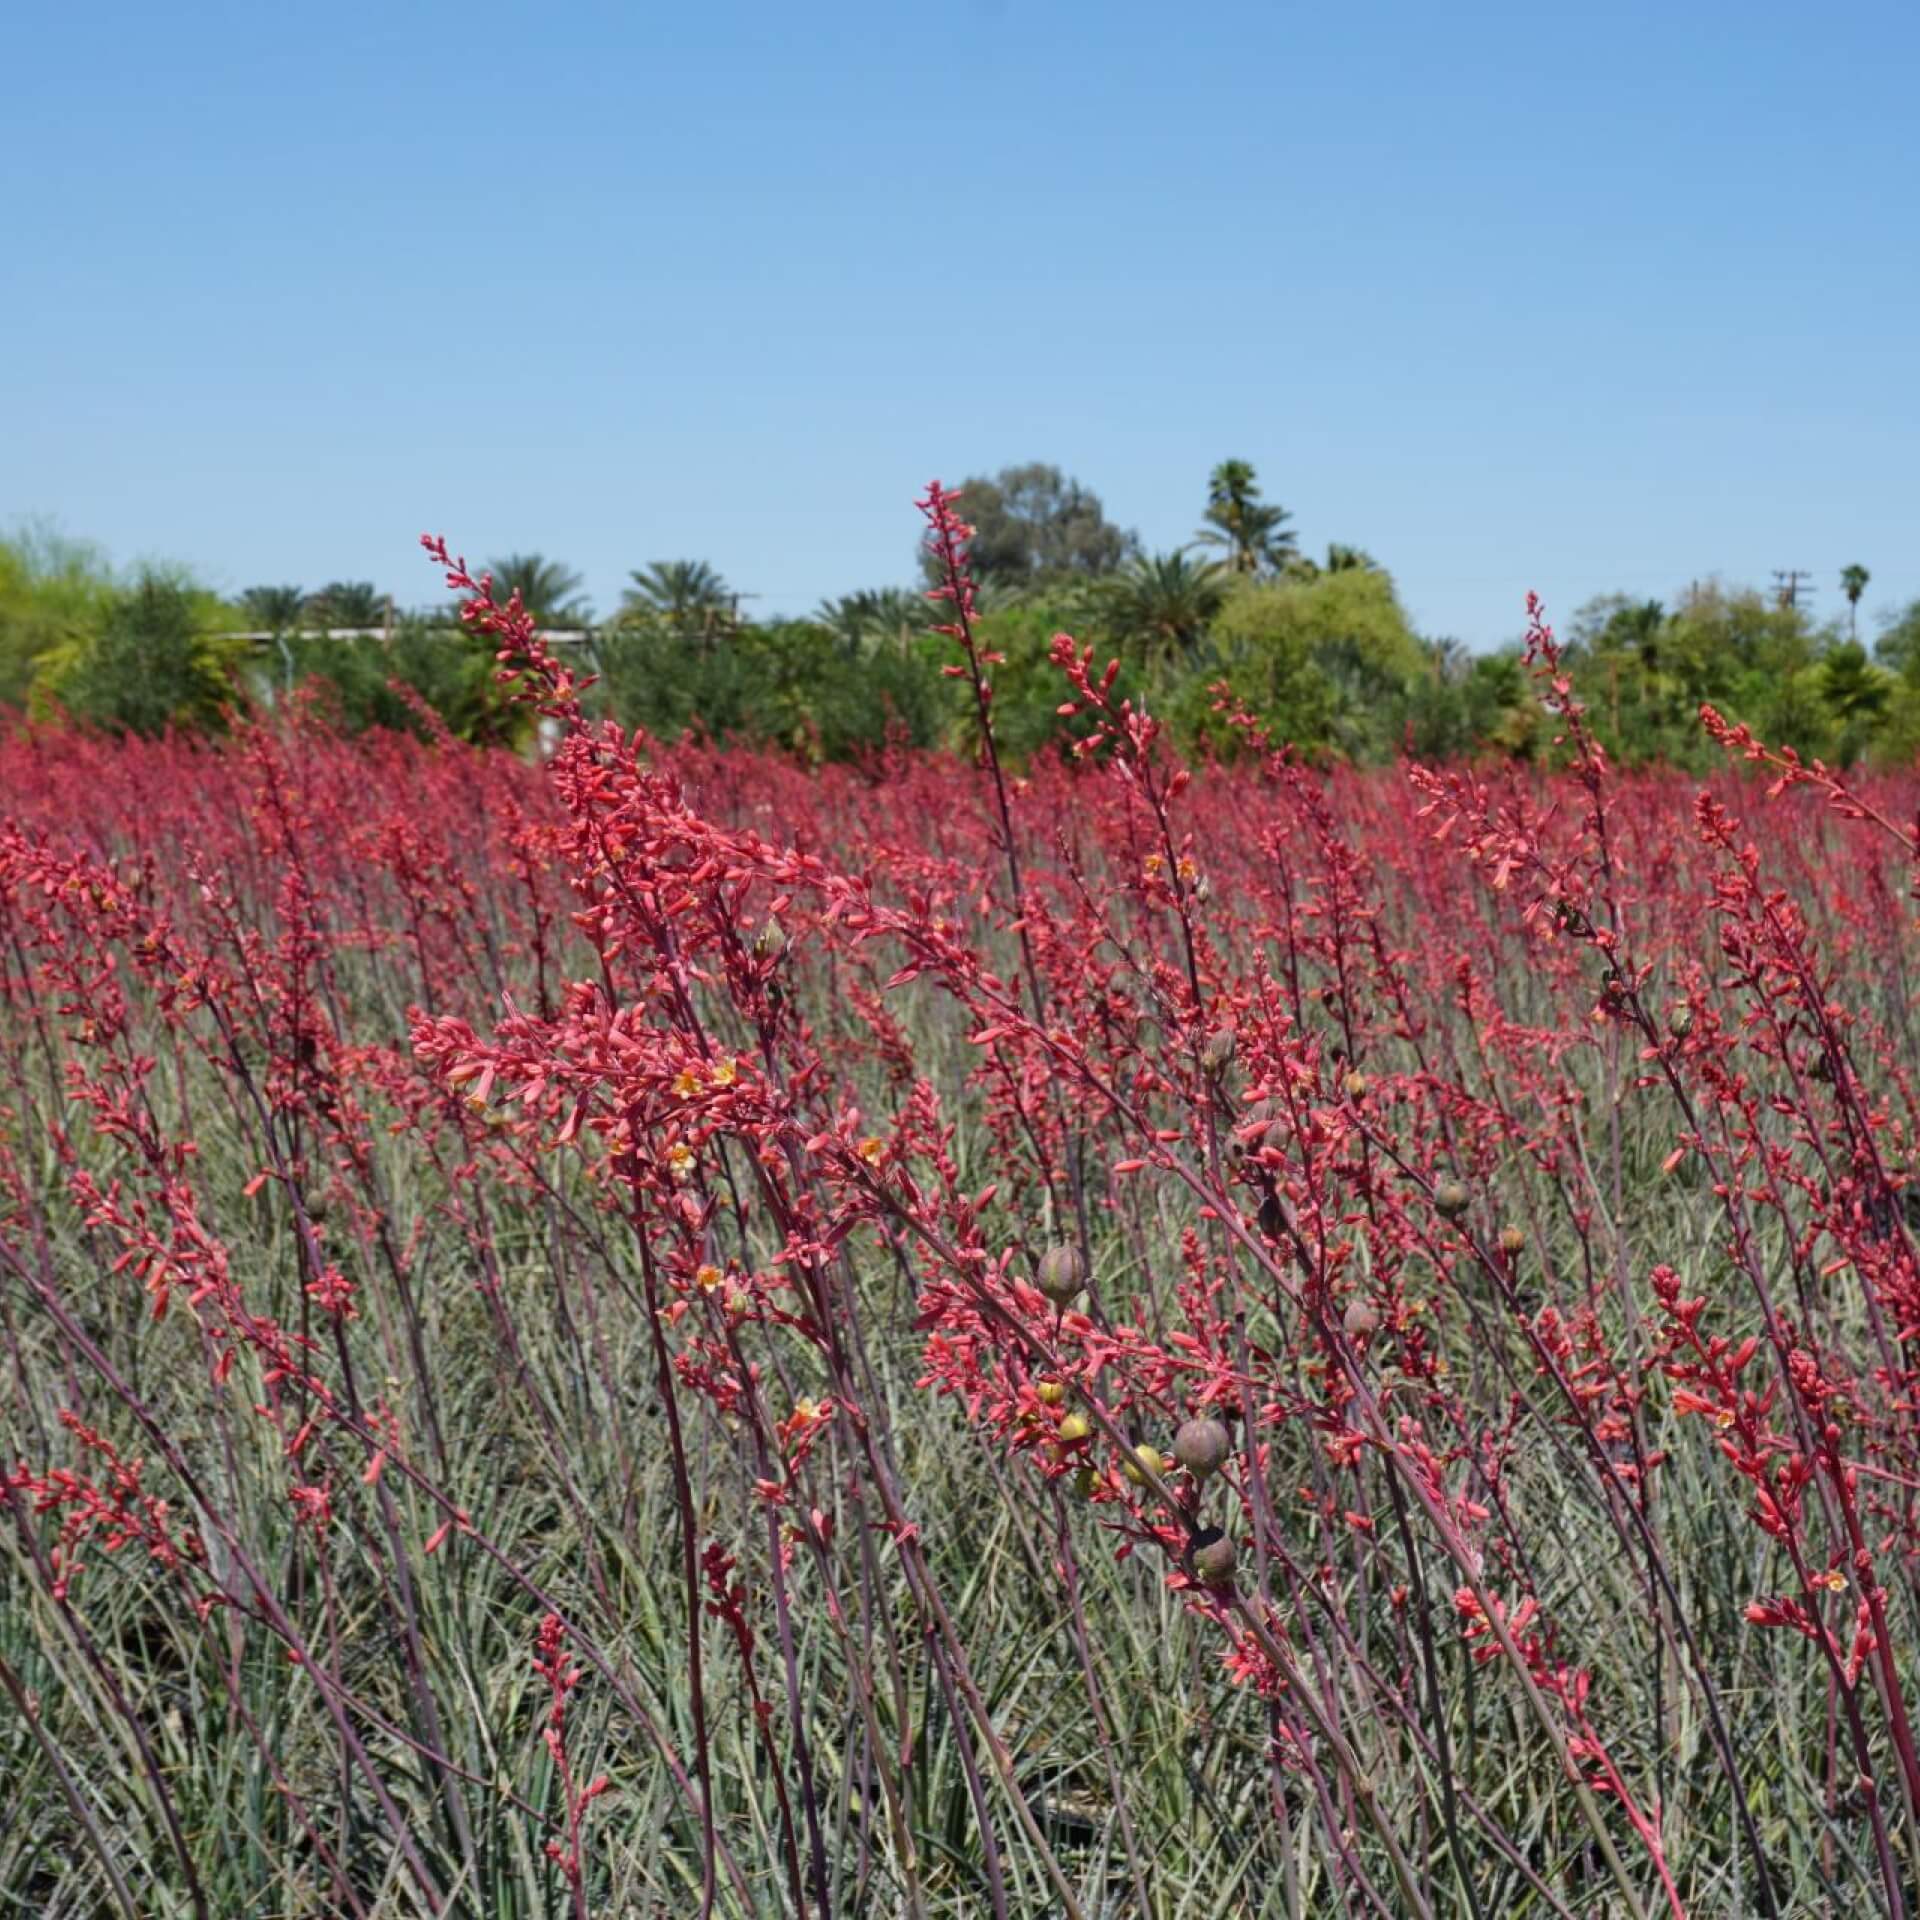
{"x": 1085, "y": 1479}
{"x": 1212, "y": 1556}
{"x": 1061, "y": 1276}
{"x": 1144, "y": 1460}
{"x": 1356, "y": 1085}
{"x": 1512, "y": 1241}
{"x": 1680, "y": 1020}
{"x": 1451, "y": 1199}
{"x": 1076, "y": 1426}
{"x": 1050, "y": 1393}
{"x": 1202, "y": 1446}
{"x": 771, "y": 941}
{"x": 1360, "y": 1320}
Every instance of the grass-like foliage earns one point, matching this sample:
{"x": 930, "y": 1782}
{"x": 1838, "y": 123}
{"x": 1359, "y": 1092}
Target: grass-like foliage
{"x": 659, "y": 1333}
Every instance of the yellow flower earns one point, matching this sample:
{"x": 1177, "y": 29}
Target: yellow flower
{"x": 1188, "y": 871}
{"x": 1833, "y": 1580}
{"x": 807, "y": 1410}
{"x": 708, "y": 1277}
{"x": 1156, "y": 865}
{"x": 680, "y": 1158}
{"x": 871, "y": 1150}
{"x": 686, "y": 1083}
{"x": 724, "y": 1074}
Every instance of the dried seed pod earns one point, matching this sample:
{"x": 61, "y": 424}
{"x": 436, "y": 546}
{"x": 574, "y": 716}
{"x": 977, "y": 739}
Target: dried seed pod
{"x": 1272, "y": 1217}
{"x": 1143, "y": 1461}
{"x": 1202, "y": 1446}
{"x": 1050, "y": 1393}
{"x": 1451, "y": 1199}
{"x": 1277, "y": 1137}
{"x": 1076, "y": 1426}
{"x": 1061, "y": 1275}
{"x": 1512, "y": 1240}
{"x": 1360, "y": 1320}
{"x": 1212, "y": 1557}
{"x": 1216, "y": 1052}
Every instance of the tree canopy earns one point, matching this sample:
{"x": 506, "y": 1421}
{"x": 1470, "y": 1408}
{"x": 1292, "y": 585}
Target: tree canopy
{"x": 1032, "y": 525}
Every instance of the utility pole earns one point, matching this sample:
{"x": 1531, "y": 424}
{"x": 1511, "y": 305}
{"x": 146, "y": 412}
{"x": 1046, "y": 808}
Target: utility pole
{"x": 1789, "y": 583}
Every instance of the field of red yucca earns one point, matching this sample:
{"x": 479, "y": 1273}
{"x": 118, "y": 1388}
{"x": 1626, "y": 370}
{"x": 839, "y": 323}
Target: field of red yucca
{"x": 658, "y": 1333}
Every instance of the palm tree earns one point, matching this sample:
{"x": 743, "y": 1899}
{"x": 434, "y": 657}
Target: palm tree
{"x": 1447, "y": 657}
{"x": 1163, "y": 602}
{"x": 1855, "y": 692}
{"x": 1253, "y": 532}
{"x": 1637, "y": 628}
{"x": 873, "y": 616}
{"x": 277, "y": 609}
{"x": 686, "y": 595}
{"x": 548, "y": 590}
{"x": 349, "y": 603}
{"x": 1341, "y": 558}
{"x": 1635, "y": 637}
{"x": 1853, "y": 583}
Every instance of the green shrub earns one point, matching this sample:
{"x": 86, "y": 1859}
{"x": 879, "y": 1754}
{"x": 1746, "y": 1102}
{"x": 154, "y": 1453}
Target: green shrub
{"x": 54, "y": 592}
{"x": 446, "y": 668}
{"x": 792, "y": 684}
{"x": 1328, "y": 662}
{"x": 163, "y": 655}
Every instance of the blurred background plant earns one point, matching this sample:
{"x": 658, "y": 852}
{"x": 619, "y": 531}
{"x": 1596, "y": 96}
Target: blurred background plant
{"x": 1318, "y": 646}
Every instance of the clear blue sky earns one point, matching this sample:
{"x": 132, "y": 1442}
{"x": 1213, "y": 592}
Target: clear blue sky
{"x": 1572, "y": 297}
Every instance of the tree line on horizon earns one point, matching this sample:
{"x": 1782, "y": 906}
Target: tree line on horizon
{"x": 1319, "y": 647}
